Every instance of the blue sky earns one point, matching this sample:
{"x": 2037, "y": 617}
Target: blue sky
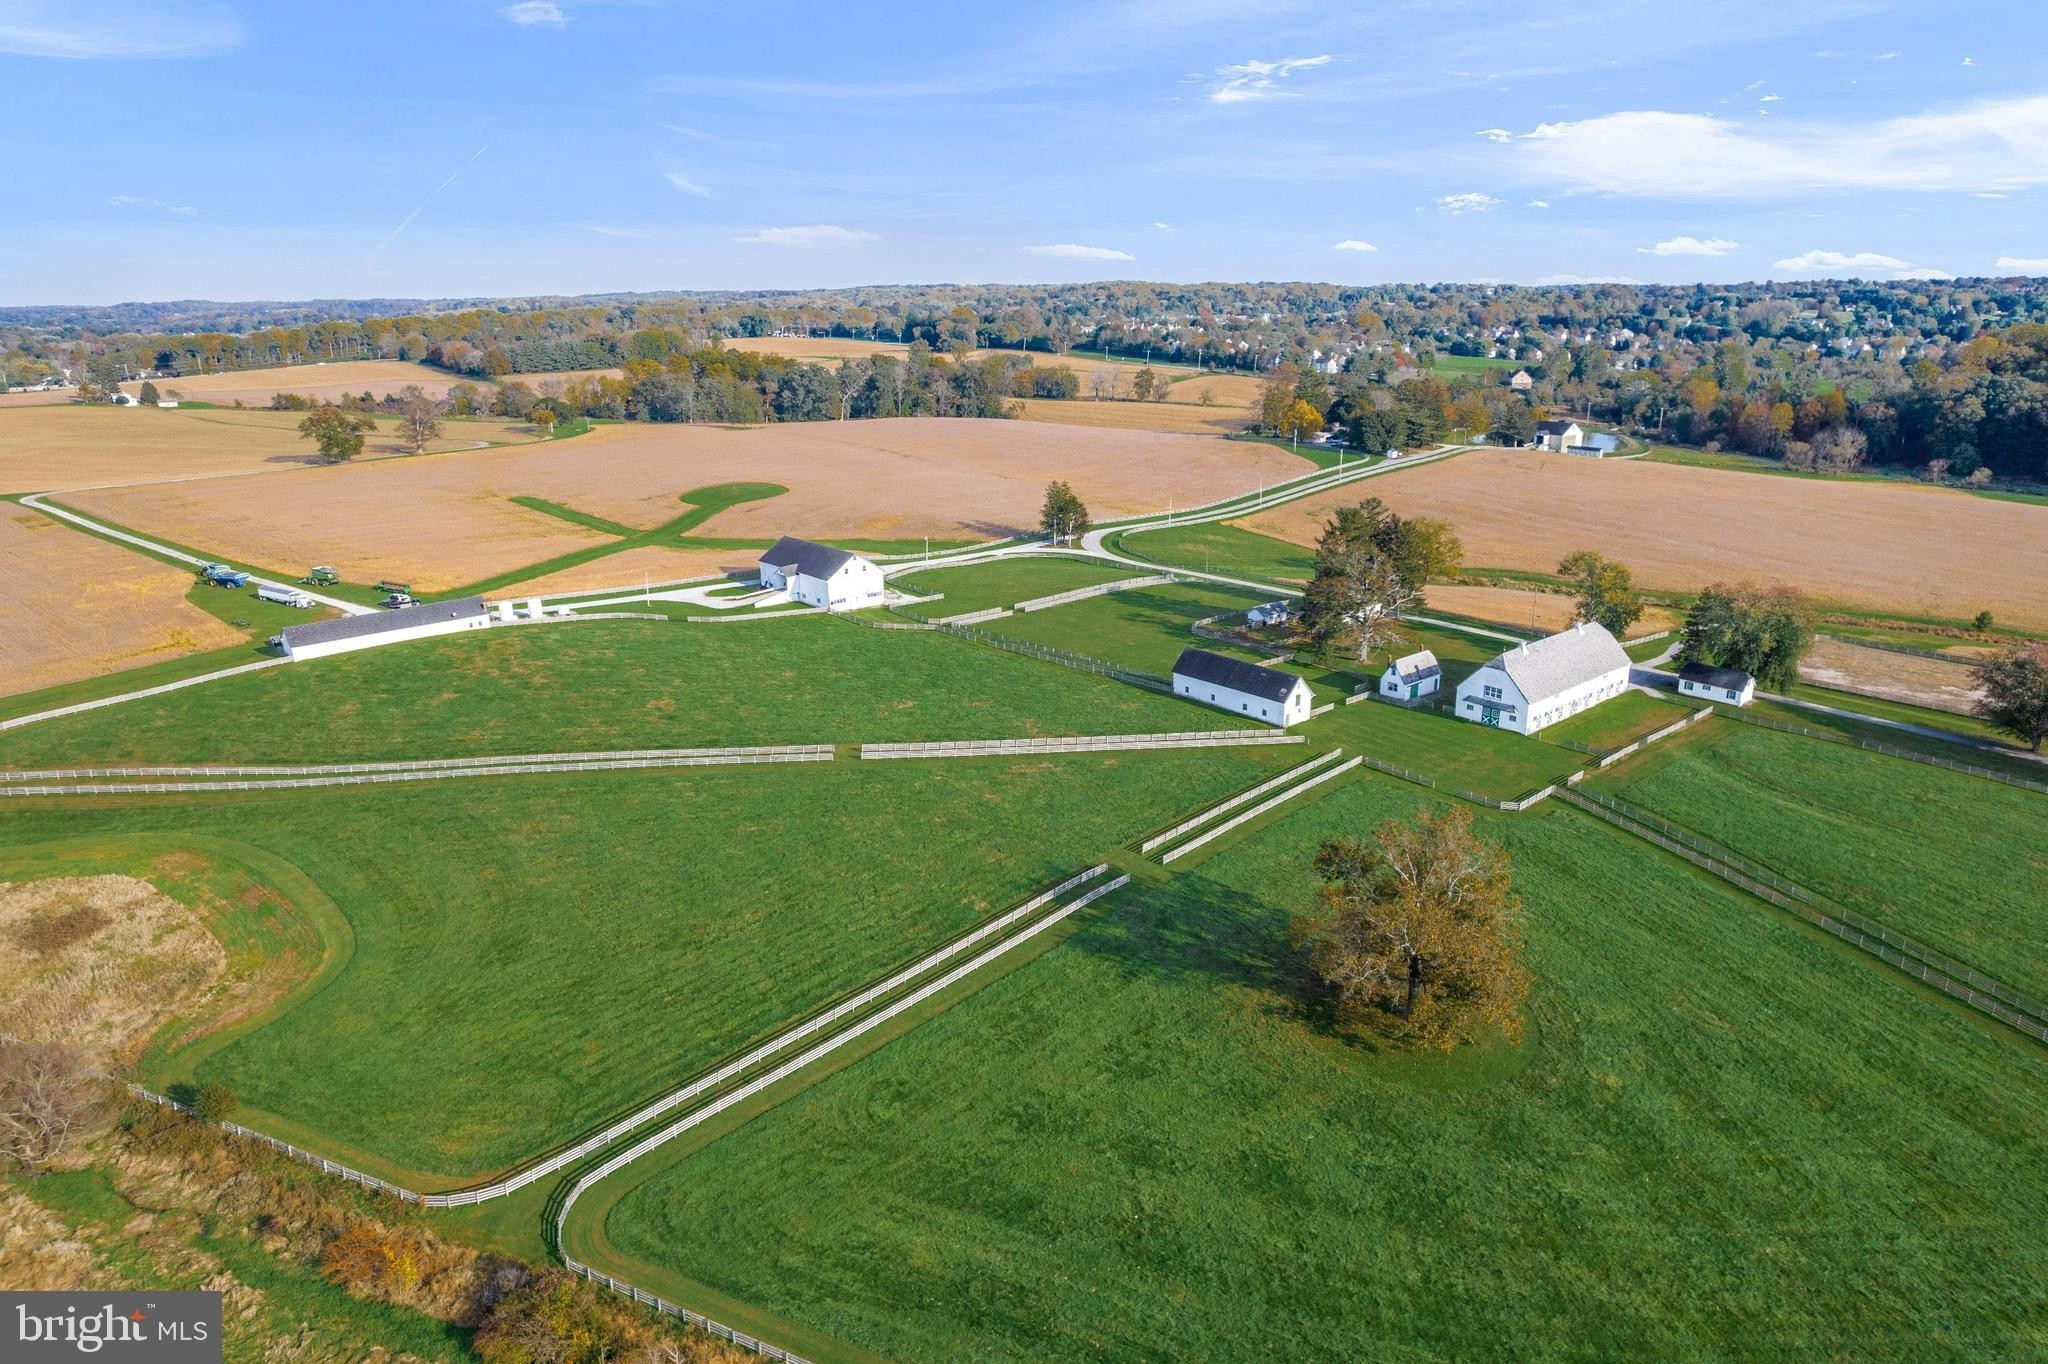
{"x": 215, "y": 149}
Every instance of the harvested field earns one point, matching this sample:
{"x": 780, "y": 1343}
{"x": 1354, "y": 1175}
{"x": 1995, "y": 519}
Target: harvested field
{"x": 1135, "y": 416}
{"x": 1227, "y": 390}
{"x": 1526, "y": 610}
{"x": 1680, "y": 528}
{"x": 629, "y": 567}
{"x": 446, "y": 520}
{"x": 538, "y": 382}
{"x": 80, "y": 607}
{"x": 52, "y": 448}
{"x": 1941, "y": 684}
{"x": 329, "y": 382}
{"x": 49, "y": 397}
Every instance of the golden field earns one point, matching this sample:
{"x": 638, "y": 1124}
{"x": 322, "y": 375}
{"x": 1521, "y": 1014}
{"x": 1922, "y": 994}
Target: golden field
{"x": 326, "y": 383}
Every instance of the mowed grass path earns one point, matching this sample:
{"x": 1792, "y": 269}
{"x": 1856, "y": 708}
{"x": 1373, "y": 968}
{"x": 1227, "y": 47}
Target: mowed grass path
{"x": 608, "y": 685}
{"x": 1956, "y": 861}
{"x": 1723, "y": 1139}
{"x": 533, "y": 955}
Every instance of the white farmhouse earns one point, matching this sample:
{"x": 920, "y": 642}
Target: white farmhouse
{"x": 1521, "y": 383}
{"x": 1278, "y": 698}
{"x": 1412, "y": 676}
{"x": 1731, "y": 685}
{"x": 1546, "y": 680}
{"x": 819, "y": 575}
{"x": 1558, "y": 435}
{"x": 342, "y": 634}
{"x": 1272, "y": 613}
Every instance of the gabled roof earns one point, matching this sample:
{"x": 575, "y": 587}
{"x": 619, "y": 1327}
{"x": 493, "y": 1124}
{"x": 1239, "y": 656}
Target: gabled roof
{"x": 1268, "y": 684}
{"x": 1555, "y": 426}
{"x": 809, "y": 558}
{"x": 1416, "y": 666}
{"x": 355, "y": 627}
{"x": 1542, "y": 668}
{"x": 1706, "y": 675}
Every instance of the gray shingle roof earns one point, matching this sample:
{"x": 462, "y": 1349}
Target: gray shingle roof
{"x": 1416, "y": 666}
{"x": 1544, "y": 667}
{"x": 1268, "y": 684}
{"x": 811, "y": 559}
{"x": 1705, "y": 674}
{"x": 354, "y": 627}
{"x": 1555, "y": 427}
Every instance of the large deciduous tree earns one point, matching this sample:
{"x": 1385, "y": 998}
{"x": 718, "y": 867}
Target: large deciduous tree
{"x": 1418, "y": 932}
{"x": 419, "y": 417}
{"x": 2015, "y": 685}
{"x": 1606, "y": 590}
{"x": 1064, "y": 516}
{"x": 1764, "y": 631}
{"x": 338, "y": 434}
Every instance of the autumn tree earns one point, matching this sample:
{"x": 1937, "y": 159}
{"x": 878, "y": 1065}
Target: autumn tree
{"x": 1763, "y": 631}
{"x": 1606, "y": 590}
{"x": 543, "y": 420}
{"x": 1064, "y": 517}
{"x": 338, "y": 434}
{"x": 1300, "y": 420}
{"x": 419, "y": 417}
{"x": 1142, "y": 384}
{"x": 1417, "y": 933}
{"x": 48, "y": 1096}
{"x": 2015, "y": 685}
{"x": 1361, "y": 584}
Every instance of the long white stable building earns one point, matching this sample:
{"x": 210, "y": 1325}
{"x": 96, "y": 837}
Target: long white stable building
{"x": 1278, "y": 698}
{"x": 317, "y": 639}
{"x": 819, "y": 575}
{"x": 1546, "y": 680}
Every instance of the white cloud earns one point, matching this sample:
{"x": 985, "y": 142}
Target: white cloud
{"x": 1886, "y": 57}
{"x": 535, "y": 12}
{"x": 810, "y": 238}
{"x": 686, "y": 184}
{"x": 1587, "y": 279}
{"x": 1354, "y": 244}
{"x": 1998, "y": 144}
{"x": 1259, "y": 80}
{"x": 1769, "y": 99}
{"x": 1969, "y": 61}
{"x": 133, "y": 201}
{"x": 1470, "y": 202}
{"x": 1539, "y": 203}
{"x": 1496, "y": 135}
{"x": 1165, "y": 227}
{"x": 1858, "y": 264}
{"x": 1074, "y": 251}
{"x": 117, "y": 28}
{"x": 2024, "y": 265}
{"x": 1690, "y": 246}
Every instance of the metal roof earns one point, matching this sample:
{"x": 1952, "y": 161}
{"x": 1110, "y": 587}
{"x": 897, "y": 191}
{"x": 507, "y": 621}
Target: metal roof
{"x": 381, "y": 622}
{"x": 1555, "y": 426}
{"x": 1707, "y": 675}
{"x": 1543, "y": 668}
{"x": 1416, "y": 666}
{"x": 807, "y": 557}
{"x": 1268, "y": 684}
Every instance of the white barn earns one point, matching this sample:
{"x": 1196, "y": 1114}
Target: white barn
{"x": 819, "y": 575}
{"x": 1411, "y": 676}
{"x": 1558, "y": 435}
{"x": 1709, "y": 683}
{"x": 1278, "y": 698}
{"x": 317, "y": 639}
{"x": 1537, "y": 684}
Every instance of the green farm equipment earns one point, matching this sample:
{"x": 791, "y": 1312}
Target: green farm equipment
{"x": 322, "y": 576}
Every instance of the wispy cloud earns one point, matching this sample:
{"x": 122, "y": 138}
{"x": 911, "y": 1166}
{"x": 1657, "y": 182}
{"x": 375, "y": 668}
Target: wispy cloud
{"x": 1165, "y": 227}
{"x": 1354, "y": 244}
{"x": 1496, "y": 135}
{"x": 686, "y": 184}
{"x": 132, "y": 201}
{"x": 616, "y": 232}
{"x": 1075, "y": 251}
{"x": 544, "y": 12}
{"x": 433, "y": 194}
{"x": 1539, "y": 203}
{"x": 1690, "y": 246}
{"x": 1858, "y": 264}
{"x": 2024, "y": 265}
{"x": 1998, "y": 144}
{"x": 809, "y": 238}
{"x": 1255, "y": 80}
{"x": 166, "y": 28}
{"x": 1469, "y": 202}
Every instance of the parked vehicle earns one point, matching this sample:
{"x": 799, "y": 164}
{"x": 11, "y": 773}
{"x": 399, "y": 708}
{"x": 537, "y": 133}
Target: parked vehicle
{"x": 322, "y": 576}
{"x": 396, "y": 600}
{"x": 395, "y": 589}
{"x": 284, "y": 596}
{"x": 220, "y": 575}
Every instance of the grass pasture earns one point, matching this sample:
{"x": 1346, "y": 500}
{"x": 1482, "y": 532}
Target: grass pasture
{"x": 1005, "y": 582}
{"x": 1953, "y": 860}
{"x": 1143, "y": 628}
{"x": 1617, "y": 722}
{"x": 1722, "y": 1139}
{"x": 1220, "y": 547}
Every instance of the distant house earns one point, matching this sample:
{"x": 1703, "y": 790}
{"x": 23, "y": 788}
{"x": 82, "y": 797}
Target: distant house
{"x": 1521, "y": 382}
{"x": 819, "y": 575}
{"x": 1278, "y": 698}
{"x": 1411, "y": 676}
{"x": 344, "y": 634}
{"x": 125, "y": 400}
{"x": 1558, "y": 434}
{"x": 1537, "y": 684}
{"x": 1272, "y": 613}
{"x": 1731, "y": 685}
{"x": 166, "y": 402}
{"x": 1598, "y": 445}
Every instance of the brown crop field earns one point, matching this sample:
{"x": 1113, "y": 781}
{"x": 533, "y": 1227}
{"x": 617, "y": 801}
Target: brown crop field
{"x": 78, "y": 607}
{"x": 1679, "y": 528}
{"x": 328, "y": 382}
{"x": 1526, "y": 610}
{"x": 1942, "y": 684}
{"x": 1225, "y": 390}
{"x": 649, "y": 564}
{"x": 49, "y": 397}
{"x": 1135, "y": 416}
{"x": 444, "y": 520}
{"x": 44, "y": 449}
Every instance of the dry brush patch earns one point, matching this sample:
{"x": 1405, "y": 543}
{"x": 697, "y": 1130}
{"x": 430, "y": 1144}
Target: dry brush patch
{"x": 79, "y": 607}
{"x": 327, "y": 383}
{"x": 1680, "y": 528}
{"x": 1938, "y": 683}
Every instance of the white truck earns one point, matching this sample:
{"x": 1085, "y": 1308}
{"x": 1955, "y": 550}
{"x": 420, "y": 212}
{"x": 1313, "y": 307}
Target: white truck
{"x": 287, "y": 596}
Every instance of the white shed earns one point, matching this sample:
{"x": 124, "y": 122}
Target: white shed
{"x": 1411, "y": 676}
{"x": 1268, "y": 694}
{"x": 345, "y": 633}
{"x": 1272, "y": 613}
{"x": 1537, "y": 684}
{"x": 1708, "y": 683}
{"x": 819, "y": 575}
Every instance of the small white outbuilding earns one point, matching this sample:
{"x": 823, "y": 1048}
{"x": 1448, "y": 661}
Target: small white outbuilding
{"x": 1537, "y": 684}
{"x": 1730, "y": 685}
{"x": 818, "y": 575}
{"x": 1412, "y": 676}
{"x": 1268, "y": 694}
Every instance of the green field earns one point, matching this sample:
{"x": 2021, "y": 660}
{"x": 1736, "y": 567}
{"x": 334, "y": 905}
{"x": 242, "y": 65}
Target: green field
{"x": 1144, "y": 628}
{"x": 1617, "y": 722}
{"x": 530, "y": 955}
{"x": 1955, "y": 861}
{"x": 1471, "y": 364}
{"x": 1723, "y": 1139}
{"x": 609, "y": 685}
{"x": 1492, "y": 762}
{"x": 1004, "y": 582}
{"x": 1219, "y": 547}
